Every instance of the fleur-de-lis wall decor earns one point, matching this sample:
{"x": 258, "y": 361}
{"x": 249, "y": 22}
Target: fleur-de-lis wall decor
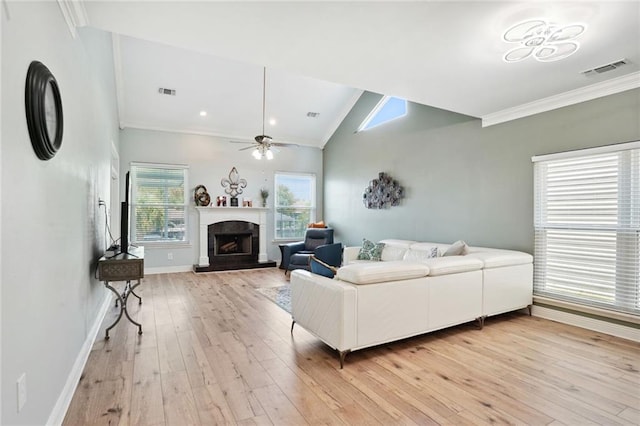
{"x": 233, "y": 185}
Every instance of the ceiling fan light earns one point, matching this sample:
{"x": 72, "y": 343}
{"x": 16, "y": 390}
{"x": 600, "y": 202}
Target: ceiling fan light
{"x": 256, "y": 154}
{"x": 269, "y": 154}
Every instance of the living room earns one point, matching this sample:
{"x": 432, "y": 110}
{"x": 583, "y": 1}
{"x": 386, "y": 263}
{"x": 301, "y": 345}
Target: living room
{"x": 462, "y": 180}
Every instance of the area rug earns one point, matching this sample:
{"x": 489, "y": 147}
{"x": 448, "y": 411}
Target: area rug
{"x": 281, "y": 296}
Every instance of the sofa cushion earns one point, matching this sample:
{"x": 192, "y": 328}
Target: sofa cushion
{"x": 420, "y": 253}
{"x": 459, "y": 248}
{"x": 377, "y": 272}
{"x": 452, "y": 265}
{"x": 394, "y": 249}
{"x": 499, "y": 258}
{"x": 370, "y": 250}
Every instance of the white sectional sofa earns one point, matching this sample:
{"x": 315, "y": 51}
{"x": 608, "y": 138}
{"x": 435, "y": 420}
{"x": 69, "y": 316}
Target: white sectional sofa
{"x": 408, "y": 293}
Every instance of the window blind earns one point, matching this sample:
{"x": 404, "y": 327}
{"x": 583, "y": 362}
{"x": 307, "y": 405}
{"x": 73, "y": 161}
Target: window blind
{"x": 158, "y": 203}
{"x": 295, "y": 204}
{"x": 587, "y": 227}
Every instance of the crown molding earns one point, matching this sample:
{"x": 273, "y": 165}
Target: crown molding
{"x": 188, "y": 131}
{"x": 75, "y": 15}
{"x": 583, "y": 94}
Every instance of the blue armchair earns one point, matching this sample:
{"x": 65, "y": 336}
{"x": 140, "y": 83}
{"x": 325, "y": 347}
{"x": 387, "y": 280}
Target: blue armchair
{"x": 296, "y": 255}
{"x": 326, "y": 259}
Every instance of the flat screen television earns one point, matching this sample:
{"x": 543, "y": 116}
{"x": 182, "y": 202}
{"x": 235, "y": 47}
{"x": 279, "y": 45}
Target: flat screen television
{"x": 124, "y": 218}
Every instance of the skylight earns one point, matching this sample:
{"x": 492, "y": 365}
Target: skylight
{"x": 389, "y": 108}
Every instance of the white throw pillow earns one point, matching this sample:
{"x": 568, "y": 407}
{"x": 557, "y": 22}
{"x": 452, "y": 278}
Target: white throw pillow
{"x": 459, "y": 248}
{"x": 390, "y": 253}
{"x": 419, "y": 255}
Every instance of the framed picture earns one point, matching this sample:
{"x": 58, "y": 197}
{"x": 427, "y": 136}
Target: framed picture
{"x": 43, "y": 105}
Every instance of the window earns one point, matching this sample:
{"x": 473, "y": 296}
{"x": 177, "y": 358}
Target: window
{"x": 587, "y": 227}
{"x": 387, "y": 109}
{"x": 158, "y": 203}
{"x": 295, "y": 204}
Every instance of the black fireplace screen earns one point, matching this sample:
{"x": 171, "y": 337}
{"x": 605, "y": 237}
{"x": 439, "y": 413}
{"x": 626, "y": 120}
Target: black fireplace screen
{"x": 233, "y": 242}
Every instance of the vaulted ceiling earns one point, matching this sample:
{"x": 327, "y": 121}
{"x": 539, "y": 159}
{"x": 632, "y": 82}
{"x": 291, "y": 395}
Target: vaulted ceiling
{"x": 320, "y": 56}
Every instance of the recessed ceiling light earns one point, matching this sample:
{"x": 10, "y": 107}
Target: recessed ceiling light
{"x": 542, "y": 40}
{"x": 272, "y": 121}
{"x": 203, "y": 113}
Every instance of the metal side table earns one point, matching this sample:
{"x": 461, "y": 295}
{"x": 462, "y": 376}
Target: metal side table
{"x": 123, "y": 267}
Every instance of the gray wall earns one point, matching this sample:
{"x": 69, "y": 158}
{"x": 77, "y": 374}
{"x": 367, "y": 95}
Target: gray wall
{"x": 462, "y": 181}
{"x": 52, "y": 228}
{"x": 210, "y": 159}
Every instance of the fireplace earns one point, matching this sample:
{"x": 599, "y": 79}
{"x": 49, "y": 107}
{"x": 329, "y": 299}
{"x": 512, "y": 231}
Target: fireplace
{"x": 233, "y": 243}
{"x": 232, "y": 238}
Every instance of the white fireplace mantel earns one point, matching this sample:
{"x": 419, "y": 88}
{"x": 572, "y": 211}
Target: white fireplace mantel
{"x": 209, "y": 215}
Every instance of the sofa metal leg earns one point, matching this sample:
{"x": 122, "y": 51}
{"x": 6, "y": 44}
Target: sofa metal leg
{"x": 529, "y": 307}
{"x": 480, "y": 321}
{"x": 293, "y": 322}
{"x": 343, "y": 354}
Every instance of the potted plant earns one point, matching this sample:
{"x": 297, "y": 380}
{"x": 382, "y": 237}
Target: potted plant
{"x": 264, "y": 194}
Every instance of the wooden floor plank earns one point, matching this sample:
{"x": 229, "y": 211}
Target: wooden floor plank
{"x": 146, "y": 395}
{"x": 216, "y": 351}
{"x": 178, "y": 401}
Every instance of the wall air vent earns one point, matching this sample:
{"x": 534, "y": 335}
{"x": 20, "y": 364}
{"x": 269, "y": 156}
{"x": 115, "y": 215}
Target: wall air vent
{"x": 170, "y": 92}
{"x": 604, "y": 68}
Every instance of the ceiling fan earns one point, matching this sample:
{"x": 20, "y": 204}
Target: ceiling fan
{"x": 263, "y": 143}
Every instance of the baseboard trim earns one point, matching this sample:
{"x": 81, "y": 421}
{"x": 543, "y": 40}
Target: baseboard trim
{"x": 601, "y": 326}
{"x": 64, "y": 400}
{"x": 168, "y": 269}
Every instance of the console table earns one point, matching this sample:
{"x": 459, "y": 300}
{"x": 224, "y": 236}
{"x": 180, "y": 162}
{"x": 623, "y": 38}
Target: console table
{"x": 123, "y": 267}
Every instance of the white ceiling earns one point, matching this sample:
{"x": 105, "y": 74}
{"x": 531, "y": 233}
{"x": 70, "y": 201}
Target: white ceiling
{"x": 229, "y": 92}
{"x": 444, "y": 54}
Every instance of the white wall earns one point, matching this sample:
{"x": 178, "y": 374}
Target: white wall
{"x": 210, "y": 160}
{"x": 52, "y": 226}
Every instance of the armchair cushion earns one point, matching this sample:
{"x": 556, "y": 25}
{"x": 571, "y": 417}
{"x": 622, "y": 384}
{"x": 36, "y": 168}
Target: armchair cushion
{"x": 289, "y": 250}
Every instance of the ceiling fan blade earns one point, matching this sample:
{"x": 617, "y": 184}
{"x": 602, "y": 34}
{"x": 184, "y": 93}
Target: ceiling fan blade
{"x": 245, "y": 142}
{"x": 284, "y": 144}
{"x": 246, "y": 148}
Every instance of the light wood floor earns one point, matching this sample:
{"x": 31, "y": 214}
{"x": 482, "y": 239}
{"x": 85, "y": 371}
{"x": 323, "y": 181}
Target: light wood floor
{"x": 215, "y": 351}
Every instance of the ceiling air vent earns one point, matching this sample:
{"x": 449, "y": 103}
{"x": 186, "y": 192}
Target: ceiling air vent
{"x": 170, "y": 92}
{"x": 604, "y": 68}
{"x": 313, "y": 114}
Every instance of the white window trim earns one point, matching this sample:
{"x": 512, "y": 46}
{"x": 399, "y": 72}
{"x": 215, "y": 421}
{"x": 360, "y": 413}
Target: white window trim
{"x": 587, "y": 151}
